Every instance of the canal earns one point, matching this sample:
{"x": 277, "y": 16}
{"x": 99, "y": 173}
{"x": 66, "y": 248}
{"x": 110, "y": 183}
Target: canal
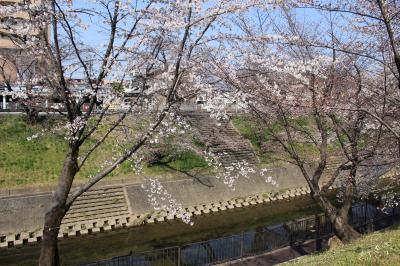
{"x": 76, "y": 250}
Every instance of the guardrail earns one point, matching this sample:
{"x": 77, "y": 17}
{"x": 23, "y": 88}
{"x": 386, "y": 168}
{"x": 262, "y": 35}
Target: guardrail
{"x": 364, "y": 217}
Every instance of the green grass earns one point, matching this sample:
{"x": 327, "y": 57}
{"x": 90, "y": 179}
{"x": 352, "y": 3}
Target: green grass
{"x": 258, "y": 134}
{"x": 184, "y": 161}
{"x": 39, "y": 161}
{"x": 187, "y": 161}
{"x": 381, "y": 248}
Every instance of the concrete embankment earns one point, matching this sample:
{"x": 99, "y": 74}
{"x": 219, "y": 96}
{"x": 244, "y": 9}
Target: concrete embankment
{"x": 119, "y": 205}
{"x": 115, "y": 206}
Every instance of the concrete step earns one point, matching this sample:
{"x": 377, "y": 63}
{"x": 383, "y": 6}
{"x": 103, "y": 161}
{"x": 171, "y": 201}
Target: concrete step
{"x": 97, "y": 204}
{"x": 99, "y": 207}
{"x": 102, "y": 190}
{"x": 103, "y": 200}
{"x": 221, "y": 138}
{"x": 95, "y": 212}
{"x": 87, "y": 218}
{"x": 99, "y": 196}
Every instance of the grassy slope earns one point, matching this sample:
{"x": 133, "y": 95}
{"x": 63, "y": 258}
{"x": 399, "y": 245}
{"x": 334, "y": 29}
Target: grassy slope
{"x": 39, "y": 161}
{"x": 258, "y": 135}
{"x": 381, "y": 248}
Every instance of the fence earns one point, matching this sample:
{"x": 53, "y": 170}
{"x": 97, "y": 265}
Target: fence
{"x": 364, "y": 217}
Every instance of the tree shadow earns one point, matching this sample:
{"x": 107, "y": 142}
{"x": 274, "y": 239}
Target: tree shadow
{"x": 204, "y": 180}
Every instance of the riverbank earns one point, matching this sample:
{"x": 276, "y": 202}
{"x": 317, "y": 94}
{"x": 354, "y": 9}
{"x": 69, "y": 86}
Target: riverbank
{"x": 380, "y": 248}
{"x": 111, "y": 207}
{"x": 91, "y": 247}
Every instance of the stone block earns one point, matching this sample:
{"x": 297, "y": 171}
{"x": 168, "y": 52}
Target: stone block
{"x": 72, "y": 233}
{"x": 222, "y": 208}
{"x": 197, "y": 212}
{"x": 160, "y": 219}
{"x": 245, "y": 203}
{"x": 10, "y": 238}
{"x": 89, "y": 225}
{"x": 24, "y": 235}
{"x": 206, "y": 211}
{"x": 77, "y": 227}
{"x": 96, "y": 229}
{"x": 200, "y": 207}
{"x": 18, "y": 242}
{"x": 32, "y": 240}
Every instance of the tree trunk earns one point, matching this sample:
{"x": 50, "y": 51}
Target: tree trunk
{"x": 344, "y": 231}
{"x": 49, "y": 252}
{"x": 339, "y": 220}
{"x": 32, "y": 115}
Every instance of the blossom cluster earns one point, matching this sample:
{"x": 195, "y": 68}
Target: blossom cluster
{"x": 161, "y": 199}
{"x": 73, "y": 128}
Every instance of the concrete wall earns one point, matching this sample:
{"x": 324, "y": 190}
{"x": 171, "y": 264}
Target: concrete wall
{"x": 23, "y": 213}
{"x": 26, "y": 212}
{"x": 191, "y": 192}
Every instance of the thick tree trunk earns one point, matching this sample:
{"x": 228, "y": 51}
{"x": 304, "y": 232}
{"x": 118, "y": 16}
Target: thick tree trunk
{"x": 339, "y": 220}
{"x": 344, "y": 231}
{"x": 49, "y": 252}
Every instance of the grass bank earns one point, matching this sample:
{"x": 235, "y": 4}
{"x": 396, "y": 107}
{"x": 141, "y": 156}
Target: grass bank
{"x": 38, "y": 161}
{"x": 380, "y": 248}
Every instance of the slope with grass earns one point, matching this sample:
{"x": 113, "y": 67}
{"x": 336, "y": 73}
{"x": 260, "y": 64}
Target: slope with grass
{"x": 38, "y": 161}
{"x": 380, "y": 248}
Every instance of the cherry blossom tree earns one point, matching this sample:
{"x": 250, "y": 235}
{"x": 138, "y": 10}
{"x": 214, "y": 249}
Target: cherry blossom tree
{"x": 368, "y": 30}
{"x": 163, "y": 42}
{"x": 306, "y": 91}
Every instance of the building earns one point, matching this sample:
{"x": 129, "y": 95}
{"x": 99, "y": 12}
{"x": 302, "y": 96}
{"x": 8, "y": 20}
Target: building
{"x": 14, "y": 62}
{"x": 12, "y": 58}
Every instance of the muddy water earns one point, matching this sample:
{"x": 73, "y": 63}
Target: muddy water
{"x": 152, "y": 236}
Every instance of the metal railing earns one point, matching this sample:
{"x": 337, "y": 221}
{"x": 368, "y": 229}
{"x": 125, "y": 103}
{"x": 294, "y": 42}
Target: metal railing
{"x": 364, "y": 218}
